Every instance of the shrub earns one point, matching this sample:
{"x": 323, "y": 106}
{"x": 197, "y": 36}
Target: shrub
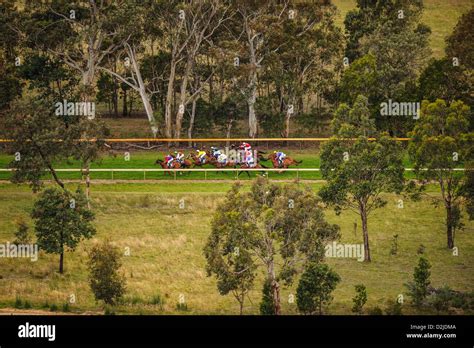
{"x": 418, "y": 288}
{"x": 157, "y": 300}
{"x": 393, "y": 308}
{"x": 66, "y": 307}
{"x": 360, "y": 298}
{"x": 18, "y": 303}
{"x": 22, "y": 235}
{"x": 375, "y": 311}
{"x": 315, "y": 287}
{"x": 182, "y": 307}
{"x": 105, "y": 281}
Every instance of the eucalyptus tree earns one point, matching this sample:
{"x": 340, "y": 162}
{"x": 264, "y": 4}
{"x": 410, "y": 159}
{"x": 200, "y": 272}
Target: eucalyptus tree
{"x": 277, "y": 229}
{"x": 358, "y": 170}
{"x": 440, "y": 144}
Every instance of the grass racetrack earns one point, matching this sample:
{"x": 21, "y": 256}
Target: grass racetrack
{"x": 146, "y": 160}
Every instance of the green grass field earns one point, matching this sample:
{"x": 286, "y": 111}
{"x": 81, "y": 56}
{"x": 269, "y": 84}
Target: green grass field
{"x": 166, "y": 258}
{"x": 146, "y": 160}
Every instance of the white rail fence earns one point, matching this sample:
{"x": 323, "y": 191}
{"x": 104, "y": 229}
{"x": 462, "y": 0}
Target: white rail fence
{"x": 205, "y": 170}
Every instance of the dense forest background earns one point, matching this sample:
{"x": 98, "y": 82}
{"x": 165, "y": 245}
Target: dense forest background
{"x": 231, "y": 68}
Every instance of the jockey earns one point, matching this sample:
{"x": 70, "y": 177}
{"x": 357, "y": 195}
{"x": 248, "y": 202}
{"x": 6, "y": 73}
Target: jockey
{"x": 201, "y": 155}
{"x": 215, "y": 152}
{"x": 249, "y": 160}
{"x": 280, "y": 156}
{"x": 246, "y": 153}
{"x": 179, "y": 156}
{"x": 245, "y": 146}
{"x": 169, "y": 159}
{"x": 222, "y": 159}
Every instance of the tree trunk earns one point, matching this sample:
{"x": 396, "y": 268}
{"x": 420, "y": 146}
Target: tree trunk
{"x": 88, "y": 184}
{"x": 252, "y": 121}
{"x": 275, "y": 288}
{"x": 125, "y": 103}
{"x": 142, "y": 90}
{"x": 182, "y": 98}
{"x": 228, "y": 131}
{"x": 191, "y": 122}
{"x": 363, "y": 216}
{"x": 169, "y": 99}
{"x": 449, "y": 225}
{"x": 251, "y": 104}
{"x": 115, "y": 93}
{"x": 61, "y": 262}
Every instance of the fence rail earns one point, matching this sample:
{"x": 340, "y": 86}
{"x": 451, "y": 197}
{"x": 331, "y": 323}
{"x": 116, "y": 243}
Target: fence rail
{"x": 205, "y": 170}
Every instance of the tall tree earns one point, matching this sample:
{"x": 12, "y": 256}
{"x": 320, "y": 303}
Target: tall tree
{"x": 358, "y": 170}
{"x": 437, "y": 148}
{"x": 270, "y": 223}
{"x": 62, "y": 220}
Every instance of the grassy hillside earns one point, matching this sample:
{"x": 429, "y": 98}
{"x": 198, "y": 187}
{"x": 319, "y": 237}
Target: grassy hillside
{"x": 166, "y": 257}
{"x": 440, "y": 15}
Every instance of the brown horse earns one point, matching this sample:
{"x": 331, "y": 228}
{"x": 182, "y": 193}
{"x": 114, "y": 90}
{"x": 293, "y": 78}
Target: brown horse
{"x": 197, "y": 162}
{"x": 288, "y": 161}
{"x": 246, "y": 166}
{"x": 174, "y": 165}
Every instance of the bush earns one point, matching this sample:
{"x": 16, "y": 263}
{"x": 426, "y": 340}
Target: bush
{"x": 418, "y": 288}
{"x": 109, "y": 311}
{"x": 315, "y": 287}
{"x": 182, "y": 307}
{"x": 66, "y": 307}
{"x": 133, "y": 300}
{"x": 22, "y": 235}
{"x": 157, "y": 300}
{"x": 105, "y": 281}
{"x": 375, "y": 311}
{"x": 26, "y": 305}
{"x": 18, "y": 303}
{"x": 444, "y": 298}
{"x": 393, "y": 308}
{"x": 53, "y": 308}
{"x": 360, "y": 298}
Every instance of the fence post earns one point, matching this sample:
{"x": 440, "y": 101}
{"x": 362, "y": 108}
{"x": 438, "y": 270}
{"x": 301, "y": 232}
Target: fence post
{"x": 205, "y": 174}
{"x": 174, "y": 172}
{"x": 112, "y": 174}
{"x": 144, "y": 175}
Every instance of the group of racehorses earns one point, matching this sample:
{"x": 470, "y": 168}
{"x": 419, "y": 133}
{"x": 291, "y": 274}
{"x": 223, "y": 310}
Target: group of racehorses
{"x": 192, "y": 160}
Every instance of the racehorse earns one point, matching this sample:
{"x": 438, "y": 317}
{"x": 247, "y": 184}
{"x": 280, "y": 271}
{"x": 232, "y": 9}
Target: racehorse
{"x": 287, "y": 161}
{"x": 197, "y": 162}
{"x": 247, "y": 166}
{"x": 174, "y": 165}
